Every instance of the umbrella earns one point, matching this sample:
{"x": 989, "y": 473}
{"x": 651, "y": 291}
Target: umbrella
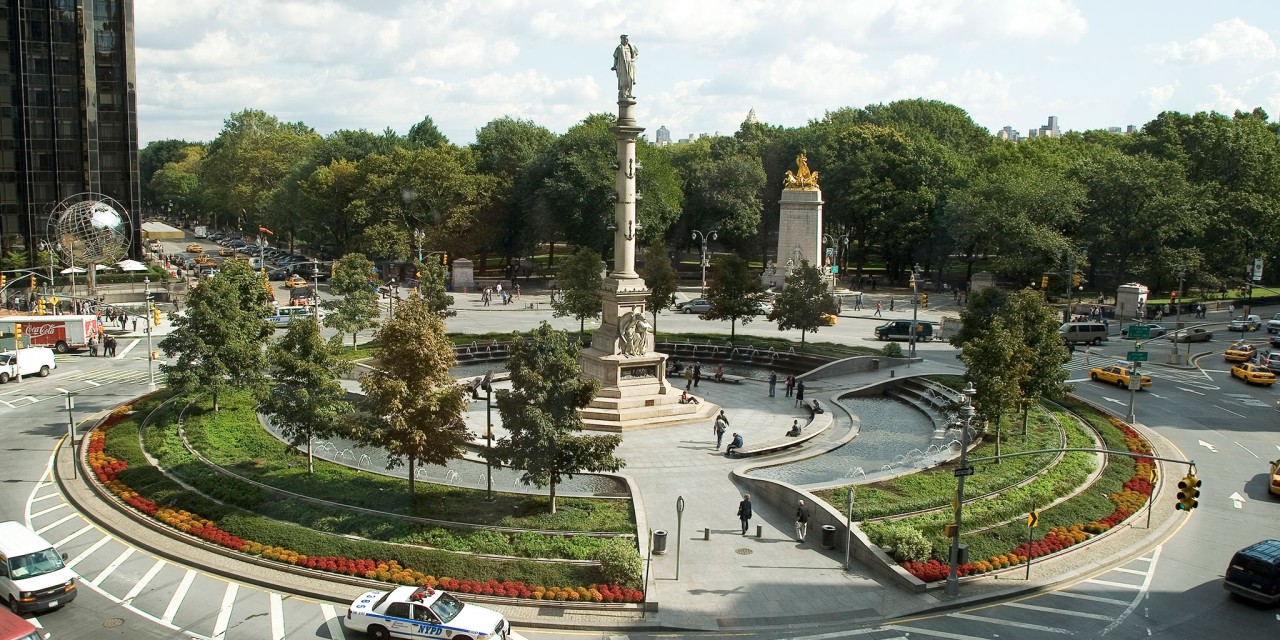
{"x": 131, "y": 265}
{"x": 72, "y": 270}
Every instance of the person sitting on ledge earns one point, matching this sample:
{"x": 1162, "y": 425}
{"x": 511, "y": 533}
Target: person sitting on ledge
{"x": 795, "y": 429}
{"x": 720, "y": 373}
{"x": 817, "y": 408}
{"x": 735, "y": 444}
{"x": 685, "y": 398}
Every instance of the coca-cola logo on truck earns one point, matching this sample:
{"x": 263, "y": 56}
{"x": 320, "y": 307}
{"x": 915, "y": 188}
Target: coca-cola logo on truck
{"x": 40, "y": 330}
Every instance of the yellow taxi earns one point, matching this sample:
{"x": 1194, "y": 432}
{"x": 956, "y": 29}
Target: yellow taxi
{"x": 828, "y": 320}
{"x": 194, "y": 248}
{"x": 1116, "y": 374}
{"x": 225, "y": 251}
{"x": 205, "y": 261}
{"x": 295, "y": 282}
{"x": 1275, "y": 477}
{"x": 1240, "y": 352}
{"x": 1253, "y": 373}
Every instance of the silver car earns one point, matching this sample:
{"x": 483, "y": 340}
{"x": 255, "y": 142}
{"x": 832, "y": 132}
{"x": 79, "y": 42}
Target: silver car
{"x": 699, "y": 305}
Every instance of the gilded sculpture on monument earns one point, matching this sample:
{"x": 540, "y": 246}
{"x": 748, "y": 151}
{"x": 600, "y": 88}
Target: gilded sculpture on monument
{"x": 803, "y": 178}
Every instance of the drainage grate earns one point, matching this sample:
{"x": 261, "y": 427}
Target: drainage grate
{"x": 743, "y": 552}
{"x": 111, "y": 623}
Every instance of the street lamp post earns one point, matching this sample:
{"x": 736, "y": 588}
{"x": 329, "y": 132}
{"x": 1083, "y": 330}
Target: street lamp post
{"x": 967, "y": 411}
{"x": 71, "y": 424}
{"x": 840, "y": 244}
{"x": 48, "y": 248}
{"x": 1177, "y": 322}
{"x": 915, "y": 306}
{"x": 315, "y": 289}
{"x": 151, "y": 374}
{"x": 487, "y": 385}
{"x": 704, "y": 236}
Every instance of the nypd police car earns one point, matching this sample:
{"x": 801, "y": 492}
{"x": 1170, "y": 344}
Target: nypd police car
{"x": 423, "y": 612}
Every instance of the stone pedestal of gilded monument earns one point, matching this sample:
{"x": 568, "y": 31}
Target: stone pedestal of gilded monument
{"x": 799, "y": 224}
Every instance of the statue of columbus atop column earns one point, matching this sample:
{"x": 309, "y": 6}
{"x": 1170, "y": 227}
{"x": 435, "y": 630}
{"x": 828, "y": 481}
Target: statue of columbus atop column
{"x": 624, "y": 62}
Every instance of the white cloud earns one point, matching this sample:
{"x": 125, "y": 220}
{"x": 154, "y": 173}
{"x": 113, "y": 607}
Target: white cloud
{"x": 973, "y": 89}
{"x": 912, "y": 68}
{"x": 1157, "y": 97}
{"x": 1233, "y": 39}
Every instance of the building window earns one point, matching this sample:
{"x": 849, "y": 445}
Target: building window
{"x": 106, "y": 41}
{"x": 110, "y": 161}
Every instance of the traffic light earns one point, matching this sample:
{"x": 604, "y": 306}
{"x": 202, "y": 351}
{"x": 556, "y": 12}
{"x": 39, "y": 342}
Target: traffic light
{"x": 1188, "y": 491}
{"x": 1075, "y": 280}
{"x": 444, "y": 259}
{"x": 1044, "y": 282}
{"x": 2, "y": 281}
{"x": 155, "y": 317}
{"x": 924, "y": 301}
{"x": 40, "y": 306}
{"x": 911, "y": 282}
{"x": 33, "y": 283}
{"x": 17, "y": 335}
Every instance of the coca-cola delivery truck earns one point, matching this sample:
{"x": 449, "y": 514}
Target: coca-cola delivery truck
{"x": 60, "y": 333}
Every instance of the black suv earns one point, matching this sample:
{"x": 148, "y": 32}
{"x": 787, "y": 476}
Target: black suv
{"x": 901, "y": 329}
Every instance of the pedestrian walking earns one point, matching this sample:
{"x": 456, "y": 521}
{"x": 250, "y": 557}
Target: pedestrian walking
{"x": 799, "y": 393}
{"x": 135, "y": 323}
{"x": 791, "y": 385}
{"x": 93, "y": 346}
{"x": 721, "y": 426}
{"x": 891, "y": 304}
{"x": 517, "y": 291}
{"x": 1088, "y": 351}
{"x": 773, "y": 382}
{"x": 857, "y": 303}
{"x": 1231, "y": 310}
{"x": 879, "y": 307}
{"x": 688, "y": 378}
{"x": 744, "y": 512}
{"x": 697, "y": 374}
{"x": 802, "y": 521}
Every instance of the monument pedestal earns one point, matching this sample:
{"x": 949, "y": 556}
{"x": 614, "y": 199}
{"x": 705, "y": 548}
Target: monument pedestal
{"x": 634, "y": 392}
{"x": 799, "y": 232}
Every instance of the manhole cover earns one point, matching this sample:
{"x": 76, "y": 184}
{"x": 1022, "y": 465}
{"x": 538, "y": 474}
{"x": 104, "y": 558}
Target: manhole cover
{"x": 112, "y": 623}
{"x": 743, "y": 552}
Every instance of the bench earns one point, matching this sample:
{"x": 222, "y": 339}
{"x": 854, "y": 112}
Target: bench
{"x": 817, "y": 425}
{"x": 729, "y": 379}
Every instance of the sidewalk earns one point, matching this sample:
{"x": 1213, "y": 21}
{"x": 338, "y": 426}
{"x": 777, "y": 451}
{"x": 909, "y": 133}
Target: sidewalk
{"x": 728, "y": 582}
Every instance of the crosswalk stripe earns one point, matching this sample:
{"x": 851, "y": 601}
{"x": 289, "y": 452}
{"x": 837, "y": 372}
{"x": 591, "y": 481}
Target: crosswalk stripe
{"x": 60, "y": 505}
{"x": 933, "y": 632}
{"x": 332, "y": 621}
{"x": 87, "y": 552}
{"x": 277, "y": 616}
{"x": 77, "y": 534}
{"x": 1085, "y": 596}
{"x": 1010, "y": 623}
{"x": 1109, "y": 583}
{"x": 178, "y": 595}
{"x": 111, "y": 568}
{"x": 224, "y": 614}
{"x": 1133, "y": 571}
{"x": 45, "y": 497}
{"x": 1065, "y": 612}
{"x": 55, "y": 523}
{"x": 146, "y": 579}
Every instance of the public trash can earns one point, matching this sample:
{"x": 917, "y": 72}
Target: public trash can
{"x": 660, "y": 542}
{"x": 962, "y": 557}
{"x": 828, "y": 537}
{"x": 875, "y": 364}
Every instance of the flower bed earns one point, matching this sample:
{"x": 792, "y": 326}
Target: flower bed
{"x": 108, "y": 469}
{"x": 1126, "y": 483}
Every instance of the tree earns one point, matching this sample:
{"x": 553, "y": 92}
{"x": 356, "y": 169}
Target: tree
{"x": 412, "y": 406}
{"x": 580, "y": 279}
{"x": 735, "y": 293}
{"x": 507, "y": 149}
{"x": 356, "y": 309}
{"x": 1040, "y": 353}
{"x": 991, "y": 367}
{"x": 540, "y": 414}
{"x": 979, "y": 312}
{"x": 304, "y": 398}
{"x": 431, "y": 277}
{"x": 426, "y": 134}
{"x": 660, "y": 277}
{"x": 218, "y": 343}
{"x": 803, "y": 301}
{"x": 249, "y": 160}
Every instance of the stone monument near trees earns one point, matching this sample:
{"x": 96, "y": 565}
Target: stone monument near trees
{"x": 799, "y": 224}
{"x": 633, "y": 377}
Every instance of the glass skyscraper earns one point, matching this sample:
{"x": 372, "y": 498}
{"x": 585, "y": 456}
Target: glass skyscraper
{"x": 68, "y": 112}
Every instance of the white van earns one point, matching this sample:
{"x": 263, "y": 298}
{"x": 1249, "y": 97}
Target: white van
{"x": 31, "y": 361}
{"x": 32, "y": 574}
{"x": 286, "y": 314}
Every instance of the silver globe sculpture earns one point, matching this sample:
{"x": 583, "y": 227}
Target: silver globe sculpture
{"x": 91, "y": 229}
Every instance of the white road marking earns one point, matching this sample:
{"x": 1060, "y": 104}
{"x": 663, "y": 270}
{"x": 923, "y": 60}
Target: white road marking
{"x": 146, "y": 579}
{"x": 1246, "y": 449}
{"x": 277, "y": 616}
{"x": 224, "y": 614}
{"x": 45, "y": 497}
{"x": 1208, "y": 446}
{"x": 1236, "y": 499}
{"x": 55, "y": 523}
{"x": 60, "y": 505}
{"x": 58, "y": 544}
{"x": 931, "y": 632}
{"x": 111, "y": 568}
{"x": 1010, "y": 623}
{"x": 60, "y": 390}
{"x": 1085, "y": 596}
{"x": 332, "y": 621}
{"x": 1133, "y": 571}
{"x": 1191, "y": 391}
{"x": 1109, "y": 583}
{"x": 87, "y": 552}
{"x": 1119, "y": 402}
{"x": 1065, "y": 612}
{"x": 1142, "y": 592}
{"x": 92, "y": 383}
{"x": 1229, "y": 411}
{"x": 124, "y": 352}
{"x": 178, "y": 595}
{"x": 1078, "y": 380}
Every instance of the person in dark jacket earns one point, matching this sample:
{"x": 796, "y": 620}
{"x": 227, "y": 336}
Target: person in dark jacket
{"x": 800, "y": 393}
{"x": 744, "y": 511}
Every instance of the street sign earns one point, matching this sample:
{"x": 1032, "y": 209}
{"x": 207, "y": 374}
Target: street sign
{"x": 1139, "y": 331}
{"x": 964, "y": 471}
{"x": 835, "y": 268}
{"x": 1033, "y": 519}
{"x": 1137, "y": 356}
{"x": 1257, "y": 269}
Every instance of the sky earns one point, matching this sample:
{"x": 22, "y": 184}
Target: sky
{"x": 702, "y": 65}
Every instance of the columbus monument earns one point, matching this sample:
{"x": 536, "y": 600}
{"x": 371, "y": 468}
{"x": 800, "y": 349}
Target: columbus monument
{"x": 634, "y": 391}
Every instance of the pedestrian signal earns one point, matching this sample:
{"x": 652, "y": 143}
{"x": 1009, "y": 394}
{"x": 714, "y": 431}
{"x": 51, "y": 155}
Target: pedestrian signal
{"x": 1188, "y": 491}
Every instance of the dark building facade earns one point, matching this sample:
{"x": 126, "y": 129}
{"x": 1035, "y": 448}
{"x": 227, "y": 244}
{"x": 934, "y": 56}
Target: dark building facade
{"x": 68, "y": 112}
